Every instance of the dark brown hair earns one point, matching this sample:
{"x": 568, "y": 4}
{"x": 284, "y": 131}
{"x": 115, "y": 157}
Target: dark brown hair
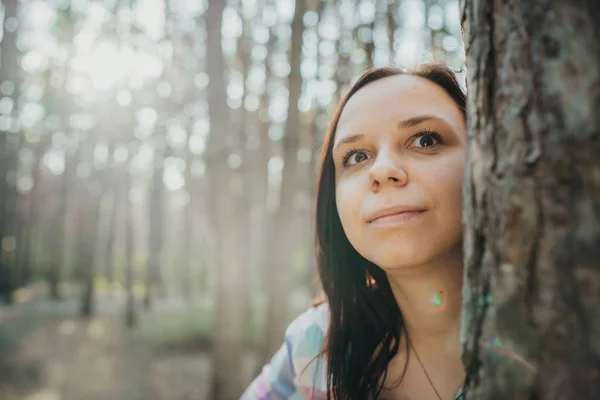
{"x": 365, "y": 321}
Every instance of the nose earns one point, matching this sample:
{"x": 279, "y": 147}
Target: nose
{"x": 387, "y": 171}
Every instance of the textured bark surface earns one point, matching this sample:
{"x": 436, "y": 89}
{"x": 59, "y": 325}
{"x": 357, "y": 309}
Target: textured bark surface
{"x": 532, "y": 199}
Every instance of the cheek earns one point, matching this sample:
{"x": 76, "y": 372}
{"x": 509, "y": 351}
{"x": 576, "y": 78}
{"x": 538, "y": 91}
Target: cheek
{"x": 348, "y": 197}
{"x": 447, "y": 190}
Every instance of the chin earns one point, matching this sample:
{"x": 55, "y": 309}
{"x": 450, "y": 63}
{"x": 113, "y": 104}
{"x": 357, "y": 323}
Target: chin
{"x": 395, "y": 258}
{"x": 401, "y": 261}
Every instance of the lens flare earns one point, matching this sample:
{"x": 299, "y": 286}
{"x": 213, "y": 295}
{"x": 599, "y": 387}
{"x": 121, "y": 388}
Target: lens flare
{"x": 437, "y": 299}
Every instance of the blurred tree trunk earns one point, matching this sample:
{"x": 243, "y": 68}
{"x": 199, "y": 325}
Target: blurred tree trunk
{"x": 531, "y": 317}
{"x": 108, "y": 219}
{"x": 128, "y": 221}
{"x": 31, "y": 216}
{"x": 280, "y": 257}
{"x": 188, "y": 225}
{"x": 436, "y": 37}
{"x": 58, "y": 100}
{"x": 156, "y": 242}
{"x": 315, "y": 137}
{"x": 370, "y": 45}
{"x": 263, "y": 228}
{"x": 247, "y": 131}
{"x": 110, "y": 239}
{"x": 226, "y": 217}
{"x": 392, "y": 26}
{"x": 85, "y": 261}
{"x": 59, "y": 222}
{"x": 188, "y": 98}
{"x": 87, "y": 233}
{"x": 9, "y": 145}
{"x": 156, "y": 218}
{"x": 343, "y": 72}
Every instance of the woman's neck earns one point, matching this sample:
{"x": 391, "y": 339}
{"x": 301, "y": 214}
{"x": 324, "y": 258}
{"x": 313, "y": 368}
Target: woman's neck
{"x": 430, "y": 298}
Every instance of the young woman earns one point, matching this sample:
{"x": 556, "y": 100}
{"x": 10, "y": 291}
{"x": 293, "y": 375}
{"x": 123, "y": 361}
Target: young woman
{"x": 389, "y": 241}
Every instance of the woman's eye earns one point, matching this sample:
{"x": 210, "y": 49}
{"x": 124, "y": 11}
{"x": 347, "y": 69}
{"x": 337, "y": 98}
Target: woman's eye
{"x": 427, "y": 140}
{"x": 355, "y": 157}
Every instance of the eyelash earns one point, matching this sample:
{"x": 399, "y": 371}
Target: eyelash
{"x": 417, "y": 135}
{"x": 431, "y": 133}
{"x": 349, "y": 154}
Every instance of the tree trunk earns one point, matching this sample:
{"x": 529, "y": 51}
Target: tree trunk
{"x": 392, "y": 26}
{"x": 60, "y": 223}
{"x": 370, "y": 45}
{"x": 263, "y": 227}
{"x": 314, "y": 139}
{"x": 31, "y": 218}
{"x": 87, "y": 230}
{"x": 280, "y": 260}
{"x": 532, "y": 215}
{"x": 155, "y": 235}
{"x": 186, "y": 257}
{"x": 130, "y": 316}
{"x": 108, "y": 256}
{"x": 229, "y": 321}
{"x": 9, "y": 145}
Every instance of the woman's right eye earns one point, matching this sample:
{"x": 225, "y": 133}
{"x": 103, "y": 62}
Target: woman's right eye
{"x": 354, "y": 157}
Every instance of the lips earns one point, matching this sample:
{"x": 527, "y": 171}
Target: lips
{"x": 398, "y": 214}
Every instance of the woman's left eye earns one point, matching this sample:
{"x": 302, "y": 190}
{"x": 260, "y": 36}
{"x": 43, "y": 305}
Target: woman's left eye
{"x": 427, "y": 139}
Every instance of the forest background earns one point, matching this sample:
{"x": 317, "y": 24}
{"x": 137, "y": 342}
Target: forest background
{"x": 158, "y": 163}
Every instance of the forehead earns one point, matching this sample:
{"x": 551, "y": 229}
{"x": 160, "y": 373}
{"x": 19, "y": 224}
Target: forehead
{"x": 396, "y": 98}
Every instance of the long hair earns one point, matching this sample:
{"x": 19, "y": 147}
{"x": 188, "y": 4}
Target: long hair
{"x": 365, "y": 322}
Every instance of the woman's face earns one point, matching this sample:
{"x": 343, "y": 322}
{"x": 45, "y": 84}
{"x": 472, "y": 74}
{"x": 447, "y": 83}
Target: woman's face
{"x": 399, "y": 155}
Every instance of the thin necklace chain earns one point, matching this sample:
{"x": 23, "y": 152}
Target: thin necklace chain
{"x": 425, "y": 371}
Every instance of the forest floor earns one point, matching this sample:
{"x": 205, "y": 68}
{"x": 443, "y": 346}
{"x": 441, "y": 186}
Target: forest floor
{"x": 47, "y": 352}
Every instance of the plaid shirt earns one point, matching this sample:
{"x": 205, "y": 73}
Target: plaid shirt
{"x": 291, "y": 375}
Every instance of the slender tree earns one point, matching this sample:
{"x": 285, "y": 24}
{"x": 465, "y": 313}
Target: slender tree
{"x": 9, "y": 144}
{"x": 87, "y": 218}
{"x": 59, "y": 101}
{"x": 157, "y": 190}
{"x": 280, "y": 261}
{"x": 228, "y": 325}
{"x": 128, "y": 220}
{"x": 30, "y": 219}
{"x": 108, "y": 218}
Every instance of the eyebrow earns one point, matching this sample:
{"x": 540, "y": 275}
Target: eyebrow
{"x": 414, "y": 121}
{"x": 350, "y": 139}
{"x": 407, "y": 123}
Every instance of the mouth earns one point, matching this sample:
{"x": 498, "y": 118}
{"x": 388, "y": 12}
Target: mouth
{"x": 395, "y": 216}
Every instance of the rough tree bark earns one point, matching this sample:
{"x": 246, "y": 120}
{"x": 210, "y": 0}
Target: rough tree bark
{"x": 532, "y": 210}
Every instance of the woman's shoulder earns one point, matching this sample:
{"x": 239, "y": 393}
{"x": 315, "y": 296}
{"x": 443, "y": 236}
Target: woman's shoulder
{"x": 304, "y": 339}
{"x": 306, "y": 334}
{"x": 297, "y": 370}
{"x": 311, "y": 324}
